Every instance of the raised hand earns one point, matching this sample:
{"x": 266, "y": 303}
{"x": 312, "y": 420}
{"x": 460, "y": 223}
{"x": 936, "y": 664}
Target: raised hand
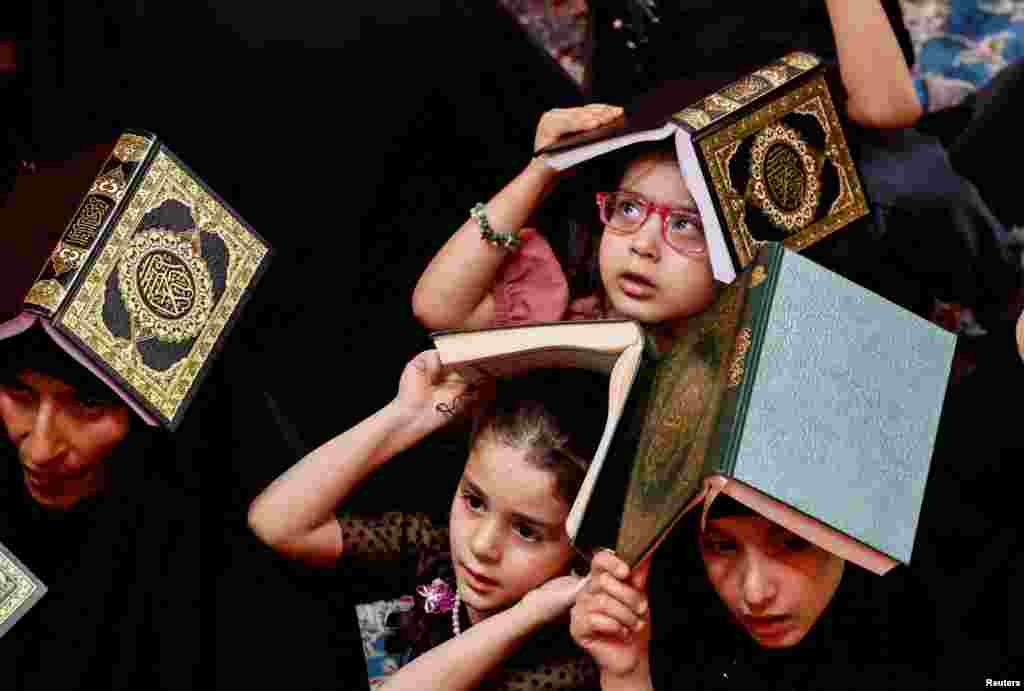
{"x": 559, "y": 122}
{"x": 430, "y": 395}
{"x": 611, "y": 618}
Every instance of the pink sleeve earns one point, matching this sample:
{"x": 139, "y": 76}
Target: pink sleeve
{"x": 531, "y": 285}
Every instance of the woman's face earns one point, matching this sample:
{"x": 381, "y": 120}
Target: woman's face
{"x": 63, "y": 438}
{"x": 775, "y": 584}
{"x": 643, "y": 277}
{"x": 507, "y": 528}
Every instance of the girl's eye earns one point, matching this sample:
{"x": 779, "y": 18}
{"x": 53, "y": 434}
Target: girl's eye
{"x": 475, "y": 503}
{"x": 684, "y": 224}
{"x": 528, "y": 533}
{"x": 628, "y": 208}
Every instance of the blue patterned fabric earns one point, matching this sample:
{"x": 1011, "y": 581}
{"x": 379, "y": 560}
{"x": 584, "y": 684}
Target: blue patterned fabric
{"x": 377, "y": 625}
{"x": 961, "y": 44}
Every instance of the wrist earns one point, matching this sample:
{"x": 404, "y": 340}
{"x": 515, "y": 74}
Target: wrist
{"x": 636, "y": 679}
{"x": 538, "y": 169}
{"x": 532, "y": 614}
{"x": 405, "y": 419}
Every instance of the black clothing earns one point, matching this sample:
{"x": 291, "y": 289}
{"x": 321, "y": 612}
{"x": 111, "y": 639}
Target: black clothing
{"x": 996, "y": 112}
{"x": 876, "y": 633}
{"x": 123, "y": 570}
{"x": 154, "y": 583}
{"x": 631, "y": 52}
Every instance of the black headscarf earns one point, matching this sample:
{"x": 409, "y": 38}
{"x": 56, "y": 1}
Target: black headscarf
{"x": 122, "y": 568}
{"x": 877, "y": 631}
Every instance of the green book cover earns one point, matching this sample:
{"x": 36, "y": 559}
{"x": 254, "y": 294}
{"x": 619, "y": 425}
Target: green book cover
{"x": 800, "y": 392}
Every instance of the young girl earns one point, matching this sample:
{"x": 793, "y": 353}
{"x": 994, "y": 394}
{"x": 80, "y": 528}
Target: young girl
{"x": 656, "y": 280}
{"x": 495, "y": 576}
{"x": 653, "y": 260}
{"x": 751, "y": 605}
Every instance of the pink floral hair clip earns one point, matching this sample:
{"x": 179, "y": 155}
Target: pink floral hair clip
{"x": 438, "y": 597}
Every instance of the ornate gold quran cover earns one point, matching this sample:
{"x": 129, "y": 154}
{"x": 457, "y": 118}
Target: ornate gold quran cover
{"x": 765, "y": 157}
{"x": 808, "y": 398}
{"x": 19, "y": 590}
{"x": 147, "y": 278}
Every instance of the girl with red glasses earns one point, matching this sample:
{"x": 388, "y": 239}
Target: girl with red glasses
{"x": 652, "y": 258}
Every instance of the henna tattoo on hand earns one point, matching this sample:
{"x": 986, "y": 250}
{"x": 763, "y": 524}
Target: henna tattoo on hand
{"x": 459, "y": 403}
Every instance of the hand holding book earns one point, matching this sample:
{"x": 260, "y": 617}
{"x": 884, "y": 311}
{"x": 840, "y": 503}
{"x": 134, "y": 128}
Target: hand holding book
{"x": 560, "y": 122}
{"x": 430, "y": 395}
{"x": 611, "y": 620}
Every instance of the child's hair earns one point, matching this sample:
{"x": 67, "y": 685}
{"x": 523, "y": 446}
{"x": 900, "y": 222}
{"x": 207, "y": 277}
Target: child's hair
{"x": 553, "y": 413}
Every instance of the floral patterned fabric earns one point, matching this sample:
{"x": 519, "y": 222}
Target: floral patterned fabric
{"x": 961, "y": 44}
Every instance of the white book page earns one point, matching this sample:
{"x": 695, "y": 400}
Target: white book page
{"x": 620, "y": 382}
{"x": 721, "y": 262}
{"x": 15, "y": 326}
{"x": 567, "y": 159}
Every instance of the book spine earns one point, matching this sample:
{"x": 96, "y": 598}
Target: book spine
{"x": 728, "y": 102}
{"x": 763, "y": 278}
{"x": 98, "y": 211}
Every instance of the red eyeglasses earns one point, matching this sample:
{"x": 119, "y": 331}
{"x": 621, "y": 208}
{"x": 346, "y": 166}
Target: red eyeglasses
{"x": 624, "y": 212}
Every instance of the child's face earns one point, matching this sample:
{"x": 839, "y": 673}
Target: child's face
{"x": 775, "y": 584}
{"x": 507, "y": 528}
{"x": 643, "y": 277}
{"x": 62, "y": 438}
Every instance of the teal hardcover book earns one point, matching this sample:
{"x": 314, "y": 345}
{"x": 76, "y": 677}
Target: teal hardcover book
{"x": 807, "y": 397}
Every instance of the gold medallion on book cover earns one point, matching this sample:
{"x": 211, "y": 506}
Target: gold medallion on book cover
{"x": 785, "y": 172}
{"x": 161, "y": 278}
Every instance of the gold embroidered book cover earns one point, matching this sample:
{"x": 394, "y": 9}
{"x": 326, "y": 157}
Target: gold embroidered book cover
{"x": 19, "y": 590}
{"x": 147, "y": 278}
{"x": 765, "y": 157}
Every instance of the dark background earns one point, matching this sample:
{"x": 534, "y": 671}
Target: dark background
{"x": 355, "y": 139}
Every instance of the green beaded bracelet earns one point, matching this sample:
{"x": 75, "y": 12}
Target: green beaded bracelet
{"x": 507, "y": 241}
